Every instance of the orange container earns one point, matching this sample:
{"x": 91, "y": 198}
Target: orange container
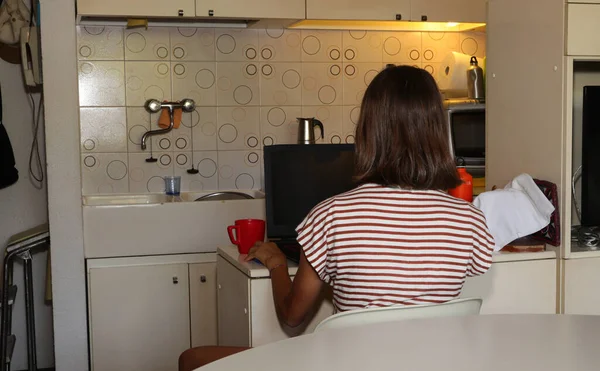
{"x": 465, "y": 190}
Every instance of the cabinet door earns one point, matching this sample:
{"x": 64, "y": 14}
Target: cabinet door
{"x": 139, "y": 317}
{"x": 203, "y": 304}
{"x": 582, "y": 279}
{"x": 526, "y": 287}
{"x": 257, "y": 9}
{"x": 525, "y": 51}
{"x": 136, "y": 8}
{"x": 266, "y": 327}
{"x": 449, "y": 11}
{"x": 233, "y": 298}
{"x": 377, "y": 10}
{"x": 583, "y": 27}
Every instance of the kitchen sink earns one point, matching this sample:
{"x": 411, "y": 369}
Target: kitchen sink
{"x": 152, "y": 224}
{"x": 154, "y": 198}
{"x": 124, "y": 199}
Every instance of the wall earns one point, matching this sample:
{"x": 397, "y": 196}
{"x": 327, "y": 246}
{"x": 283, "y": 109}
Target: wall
{"x": 59, "y": 48}
{"x": 249, "y": 85}
{"x": 24, "y": 206}
{"x": 64, "y": 142}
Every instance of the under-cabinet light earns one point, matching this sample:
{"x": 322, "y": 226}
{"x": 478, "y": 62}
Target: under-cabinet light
{"x": 386, "y": 26}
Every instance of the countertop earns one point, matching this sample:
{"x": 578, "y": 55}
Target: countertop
{"x": 256, "y": 270}
{"x": 251, "y": 269}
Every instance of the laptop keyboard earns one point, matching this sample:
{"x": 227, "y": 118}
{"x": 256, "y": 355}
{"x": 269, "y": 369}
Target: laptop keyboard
{"x": 290, "y": 249}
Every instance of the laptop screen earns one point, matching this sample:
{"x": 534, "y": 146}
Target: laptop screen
{"x": 298, "y": 177}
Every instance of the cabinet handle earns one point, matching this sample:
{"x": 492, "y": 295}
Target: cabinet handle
{"x": 245, "y": 310}
{"x": 203, "y": 278}
{"x": 175, "y": 280}
{"x": 398, "y": 17}
{"x": 424, "y": 18}
{"x": 180, "y": 13}
{"x": 211, "y": 13}
{"x": 219, "y": 286}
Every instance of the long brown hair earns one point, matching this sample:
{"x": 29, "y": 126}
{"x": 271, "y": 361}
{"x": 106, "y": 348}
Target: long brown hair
{"x": 402, "y": 134}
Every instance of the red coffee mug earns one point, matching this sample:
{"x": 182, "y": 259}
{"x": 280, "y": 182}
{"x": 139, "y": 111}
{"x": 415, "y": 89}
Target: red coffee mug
{"x": 247, "y": 232}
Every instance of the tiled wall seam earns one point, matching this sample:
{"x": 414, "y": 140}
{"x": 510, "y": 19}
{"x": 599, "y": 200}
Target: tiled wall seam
{"x": 249, "y": 86}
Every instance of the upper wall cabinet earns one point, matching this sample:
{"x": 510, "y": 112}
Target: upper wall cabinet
{"x": 449, "y": 11}
{"x": 519, "y": 32}
{"x": 257, "y": 9}
{"x": 374, "y": 10}
{"x": 135, "y": 8}
{"x": 583, "y": 28}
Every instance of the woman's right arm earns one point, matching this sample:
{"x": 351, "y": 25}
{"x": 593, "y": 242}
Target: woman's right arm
{"x": 293, "y": 300}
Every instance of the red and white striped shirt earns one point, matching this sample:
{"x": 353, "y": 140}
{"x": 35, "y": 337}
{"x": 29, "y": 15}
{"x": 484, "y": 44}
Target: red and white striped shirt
{"x": 380, "y": 246}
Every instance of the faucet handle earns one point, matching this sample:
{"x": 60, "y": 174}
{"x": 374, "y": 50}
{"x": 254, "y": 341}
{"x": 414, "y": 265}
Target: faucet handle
{"x": 153, "y": 105}
{"x": 188, "y": 105}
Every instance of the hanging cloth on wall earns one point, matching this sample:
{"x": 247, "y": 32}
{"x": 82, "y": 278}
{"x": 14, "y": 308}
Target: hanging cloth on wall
{"x": 14, "y": 15}
{"x": 8, "y": 172}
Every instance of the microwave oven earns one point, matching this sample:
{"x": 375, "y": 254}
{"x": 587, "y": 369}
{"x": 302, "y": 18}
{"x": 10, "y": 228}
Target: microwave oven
{"x": 466, "y": 128}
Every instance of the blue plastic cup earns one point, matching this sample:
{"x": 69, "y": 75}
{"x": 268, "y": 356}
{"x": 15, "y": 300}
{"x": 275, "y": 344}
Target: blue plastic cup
{"x": 172, "y": 185}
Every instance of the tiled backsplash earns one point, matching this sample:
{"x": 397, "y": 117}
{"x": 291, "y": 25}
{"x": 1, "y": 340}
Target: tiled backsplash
{"x": 249, "y": 87}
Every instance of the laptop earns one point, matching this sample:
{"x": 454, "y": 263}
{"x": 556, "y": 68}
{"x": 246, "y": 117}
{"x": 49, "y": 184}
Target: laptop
{"x": 297, "y": 178}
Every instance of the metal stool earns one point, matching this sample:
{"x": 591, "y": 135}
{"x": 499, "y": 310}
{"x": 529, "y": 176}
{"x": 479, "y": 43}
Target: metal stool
{"x": 20, "y": 246}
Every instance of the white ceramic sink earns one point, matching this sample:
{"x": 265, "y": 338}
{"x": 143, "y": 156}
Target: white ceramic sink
{"x": 124, "y": 199}
{"x": 152, "y": 224}
{"x": 151, "y": 198}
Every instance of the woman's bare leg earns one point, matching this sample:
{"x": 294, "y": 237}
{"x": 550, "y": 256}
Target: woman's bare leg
{"x": 193, "y": 358}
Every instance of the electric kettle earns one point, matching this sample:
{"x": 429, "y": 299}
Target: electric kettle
{"x": 306, "y": 130}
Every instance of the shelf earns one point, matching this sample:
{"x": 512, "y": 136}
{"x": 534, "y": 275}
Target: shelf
{"x": 581, "y": 252}
{"x": 581, "y": 71}
{"x": 505, "y": 257}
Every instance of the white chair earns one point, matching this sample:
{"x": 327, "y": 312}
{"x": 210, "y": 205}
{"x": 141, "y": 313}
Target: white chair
{"x": 458, "y": 307}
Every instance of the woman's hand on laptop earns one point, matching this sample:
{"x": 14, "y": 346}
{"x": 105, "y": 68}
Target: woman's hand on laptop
{"x": 268, "y": 254}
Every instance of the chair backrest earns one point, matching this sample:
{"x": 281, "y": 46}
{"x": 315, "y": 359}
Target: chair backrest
{"x": 458, "y": 307}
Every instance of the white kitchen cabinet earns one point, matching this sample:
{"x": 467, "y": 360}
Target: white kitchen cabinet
{"x": 203, "y": 304}
{"x": 257, "y": 9}
{"x": 449, "y": 11}
{"x": 516, "y": 287}
{"x": 582, "y": 283}
{"x": 136, "y": 8}
{"x": 516, "y": 284}
{"x": 583, "y": 27}
{"x": 524, "y": 90}
{"x": 388, "y": 10}
{"x": 144, "y": 312}
{"x": 247, "y": 314}
{"x": 375, "y": 10}
{"x": 140, "y": 317}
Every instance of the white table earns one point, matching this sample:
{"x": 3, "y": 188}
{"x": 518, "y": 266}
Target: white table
{"x": 476, "y": 343}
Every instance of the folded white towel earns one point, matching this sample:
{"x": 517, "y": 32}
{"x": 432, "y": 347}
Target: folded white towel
{"x": 518, "y": 210}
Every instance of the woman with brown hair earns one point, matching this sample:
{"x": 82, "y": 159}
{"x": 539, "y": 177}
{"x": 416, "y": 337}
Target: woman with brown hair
{"x": 396, "y": 239}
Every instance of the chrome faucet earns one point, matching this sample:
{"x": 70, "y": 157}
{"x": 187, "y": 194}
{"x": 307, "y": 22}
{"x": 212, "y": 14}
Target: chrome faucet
{"x": 154, "y": 106}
